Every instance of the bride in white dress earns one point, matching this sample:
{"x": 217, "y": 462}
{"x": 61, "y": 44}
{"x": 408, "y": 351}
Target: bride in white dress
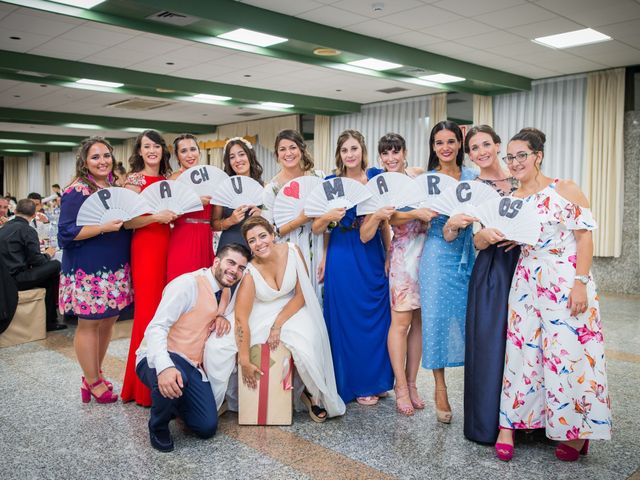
{"x": 276, "y": 303}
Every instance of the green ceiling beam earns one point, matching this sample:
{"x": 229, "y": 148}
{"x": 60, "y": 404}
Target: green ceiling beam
{"x": 35, "y": 147}
{"x": 5, "y": 153}
{"x": 142, "y": 83}
{"x": 42, "y": 138}
{"x": 39, "y": 117}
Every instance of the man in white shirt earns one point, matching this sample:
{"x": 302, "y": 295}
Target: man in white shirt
{"x": 169, "y": 360}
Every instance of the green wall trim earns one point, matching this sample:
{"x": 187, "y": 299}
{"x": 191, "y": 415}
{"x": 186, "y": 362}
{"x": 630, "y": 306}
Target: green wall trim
{"x": 35, "y": 147}
{"x": 40, "y": 138}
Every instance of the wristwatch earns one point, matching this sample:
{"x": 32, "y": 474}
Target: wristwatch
{"x": 583, "y": 278}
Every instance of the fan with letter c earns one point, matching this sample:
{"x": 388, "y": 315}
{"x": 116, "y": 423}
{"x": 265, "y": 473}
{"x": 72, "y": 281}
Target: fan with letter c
{"x": 337, "y": 192}
{"x": 516, "y": 219}
{"x": 291, "y": 198}
{"x": 113, "y": 203}
{"x": 464, "y": 198}
{"x": 203, "y": 179}
{"x": 171, "y": 195}
{"x": 391, "y": 189}
{"x": 236, "y": 191}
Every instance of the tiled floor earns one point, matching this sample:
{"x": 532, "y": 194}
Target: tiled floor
{"x": 46, "y": 432}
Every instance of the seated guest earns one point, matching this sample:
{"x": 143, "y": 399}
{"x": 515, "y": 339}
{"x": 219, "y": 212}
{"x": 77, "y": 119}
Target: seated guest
{"x": 20, "y": 250}
{"x": 55, "y": 195}
{"x": 4, "y": 210}
{"x": 40, "y": 215}
{"x": 170, "y": 363}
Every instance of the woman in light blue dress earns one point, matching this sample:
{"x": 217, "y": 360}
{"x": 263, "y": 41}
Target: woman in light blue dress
{"x": 445, "y": 267}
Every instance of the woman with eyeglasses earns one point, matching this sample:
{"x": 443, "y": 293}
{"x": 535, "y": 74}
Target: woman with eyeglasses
{"x": 554, "y": 373}
{"x": 486, "y": 325}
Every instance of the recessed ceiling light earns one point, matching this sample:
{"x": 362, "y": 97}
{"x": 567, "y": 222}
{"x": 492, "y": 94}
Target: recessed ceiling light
{"x": 87, "y": 126}
{"x": 16, "y": 150}
{"x": 326, "y": 52}
{"x": 276, "y": 105}
{"x": 205, "y": 97}
{"x": 164, "y": 90}
{"x": 8, "y": 140}
{"x": 375, "y": 64}
{"x": 80, "y": 3}
{"x": 576, "y": 38}
{"x": 442, "y": 78}
{"x": 99, "y": 83}
{"x": 62, "y": 144}
{"x": 243, "y": 35}
{"x": 15, "y": 38}
{"x": 169, "y": 63}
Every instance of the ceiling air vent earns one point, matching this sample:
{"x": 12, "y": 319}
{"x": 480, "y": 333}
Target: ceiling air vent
{"x": 173, "y": 18}
{"x": 139, "y": 104}
{"x": 247, "y": 114}
{"x": 393, "y": 90}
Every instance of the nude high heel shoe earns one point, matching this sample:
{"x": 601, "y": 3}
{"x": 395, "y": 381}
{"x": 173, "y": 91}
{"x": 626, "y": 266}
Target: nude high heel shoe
{"x": 443, "y": 416}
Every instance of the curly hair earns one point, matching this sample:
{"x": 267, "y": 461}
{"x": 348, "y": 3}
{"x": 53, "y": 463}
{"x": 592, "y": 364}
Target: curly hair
{"x": 306, "y": 162}
{"x": 82, "y": 172}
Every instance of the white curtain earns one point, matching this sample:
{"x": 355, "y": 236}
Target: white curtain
{"x": 322, "y": 147}
{"x": 35, "y": 174}
{"x": 556, "y": 106}
{"x": 66, "y": 168}
{"x": 438, "y": 108}
{"x": 15, "y": 177}
{"x": 408, "y": 117}
{"x": 482, "y": 110}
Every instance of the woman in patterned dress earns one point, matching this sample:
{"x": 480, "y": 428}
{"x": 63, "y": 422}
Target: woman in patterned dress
{"x": 487, "y": 305}
{"x": 95, "y": 282}
{"x": 409, "y": 232}
{"x": 149, "y": 250}
{"x": 295, "y": 161}
{"x": 554, "y": 373}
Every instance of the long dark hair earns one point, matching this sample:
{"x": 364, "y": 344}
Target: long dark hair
{"x": 452, "y": 127}
{"x": 295, "y": 137}
{"x": 82, "y": 172}
{"x": 358, "y": 137}
{"x": 136, "y": 163}
{"x": 255, "y": 169}
{"x": 535, "y": 140}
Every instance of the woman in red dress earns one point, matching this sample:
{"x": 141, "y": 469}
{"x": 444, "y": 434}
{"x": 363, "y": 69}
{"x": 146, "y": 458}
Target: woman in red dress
{"x": 191, "y": 242}
{"x": 149, "y": 163}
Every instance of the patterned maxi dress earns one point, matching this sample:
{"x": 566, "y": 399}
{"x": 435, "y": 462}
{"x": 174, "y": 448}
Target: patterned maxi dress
{"x": 554, "y": 375}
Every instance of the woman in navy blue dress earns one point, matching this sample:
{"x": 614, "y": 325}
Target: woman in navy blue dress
{"x": 487, "y": 307}
{"x": 356, "y": 288}
{"x": 445, "y": 267}
{"x": 95, "y": 281}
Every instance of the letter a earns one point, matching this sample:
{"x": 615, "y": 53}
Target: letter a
{"x": 165, "y": 190}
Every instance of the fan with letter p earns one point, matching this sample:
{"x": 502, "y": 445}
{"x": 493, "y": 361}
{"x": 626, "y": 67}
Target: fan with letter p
{"x": 463, "y": 198}
{"x": 236, "y": 191}
{"x": 203, "y": 179}
{"x": 391, "y": 189}
{"x": 291, "y": 198}
{"x": 337, "y": 192}
{"x": 171, "y": 195}
{"x": 516, "y": 219}
{"x": 113, "y": 203}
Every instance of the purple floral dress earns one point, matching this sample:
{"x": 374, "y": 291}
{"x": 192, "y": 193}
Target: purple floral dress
{"x": 554, "y": 375}
{"x": 95, "y": 281}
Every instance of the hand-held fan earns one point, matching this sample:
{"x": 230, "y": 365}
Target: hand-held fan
{"x": 236, "y": 191}
{"x": 203, "y": 179}
{"x": 171, "y": 195}
{"x": 433, "y": 185}
{"x": 337, "y": 192}
{"x": 114, "y": 203}
{"x": 516, "y": 219}
{"x": 458, "y": 199}
{"x": 391, "y": 189}
{"x": 291, "y": 198}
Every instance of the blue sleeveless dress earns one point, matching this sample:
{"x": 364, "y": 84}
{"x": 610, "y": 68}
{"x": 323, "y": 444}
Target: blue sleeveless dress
{"x": 357, "y": 309}
{"x": 445, "y": 268}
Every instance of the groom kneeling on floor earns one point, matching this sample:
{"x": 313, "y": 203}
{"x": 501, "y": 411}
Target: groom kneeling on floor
{"x": 170, "y": 363}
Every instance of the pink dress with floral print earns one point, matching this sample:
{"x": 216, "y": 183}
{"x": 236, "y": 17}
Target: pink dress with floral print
{"x": 554, "y": 375}
{"x": 405, "y": 251}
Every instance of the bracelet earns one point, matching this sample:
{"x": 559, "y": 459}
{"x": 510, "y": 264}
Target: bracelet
{"x": 275, "y": 329}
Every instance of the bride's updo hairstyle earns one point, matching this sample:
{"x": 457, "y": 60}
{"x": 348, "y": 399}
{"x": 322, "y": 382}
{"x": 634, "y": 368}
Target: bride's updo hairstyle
{"x": 535, "y": 140}
{"x": 253, "y": 222}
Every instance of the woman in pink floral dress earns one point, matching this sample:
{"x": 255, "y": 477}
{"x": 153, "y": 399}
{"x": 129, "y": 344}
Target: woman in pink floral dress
{"x": 554, "y": 375}
{"x": 405, "y": 333}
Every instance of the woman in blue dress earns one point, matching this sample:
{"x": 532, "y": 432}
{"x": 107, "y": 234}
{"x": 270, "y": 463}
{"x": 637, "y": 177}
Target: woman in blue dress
{"x": 445, "y": 268}
{"x": 95, "y": 281}
{"x": 487, "y": 307}
{"x": 356, "y": 288}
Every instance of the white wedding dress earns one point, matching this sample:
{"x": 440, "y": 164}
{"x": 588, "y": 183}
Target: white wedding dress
{"x": 304, "y": 334}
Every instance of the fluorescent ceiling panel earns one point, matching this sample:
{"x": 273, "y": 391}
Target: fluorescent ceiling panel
{"x": 572, "y": 39}
{"x": 243, "y": 35}
{"x": 375, "y": 64}
{"x": 211, "y": 98}
{"x": 442, "y": 78}
{"x": 80, "y": 3}
{"x": 99, "y": 83}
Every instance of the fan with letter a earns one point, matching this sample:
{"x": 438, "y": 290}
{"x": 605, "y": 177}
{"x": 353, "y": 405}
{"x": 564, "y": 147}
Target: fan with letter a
{"x": 113, "y": 203}
{"x": 171, "y": 195}
{"x": 291, "y": 198}
{"x": 337, "y": 192}
{"x": 391, "y": 189}
{"x": 464, "y": 198}
{"x": 236, "y": 191}
{"x": 516, "y": 219}
{"x": 433, "y": 186}
{"x": 203, "y": 179}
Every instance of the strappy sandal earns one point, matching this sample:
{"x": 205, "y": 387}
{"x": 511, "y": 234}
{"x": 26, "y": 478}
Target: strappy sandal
{"x": 317, "y": 413}
{"x": 367, "y": 401}
{"x": 403, "y": 401}
{"x": 417, "y": 402}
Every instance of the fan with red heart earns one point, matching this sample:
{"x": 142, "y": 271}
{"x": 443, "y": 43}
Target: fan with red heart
{"x": 290, "y": 199}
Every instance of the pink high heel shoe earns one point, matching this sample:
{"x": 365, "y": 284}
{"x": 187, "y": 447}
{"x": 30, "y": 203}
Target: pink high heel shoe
{"x": 504, "y": 451}
{"x": 416, "y": 401}
{"x": 86, "y": 391}
{"x": 567, "y": 453}
{"x": 403, "y": 401}
{"x": 106, "y": 382}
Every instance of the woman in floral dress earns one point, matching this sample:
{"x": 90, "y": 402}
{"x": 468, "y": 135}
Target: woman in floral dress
{"x": 295, "y": 161}
{"x": 554, "y": 374}
{"x": 95, "y": 282}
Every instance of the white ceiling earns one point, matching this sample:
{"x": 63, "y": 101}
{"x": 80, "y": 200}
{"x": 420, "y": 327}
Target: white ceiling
{"x": 491, "y": 33}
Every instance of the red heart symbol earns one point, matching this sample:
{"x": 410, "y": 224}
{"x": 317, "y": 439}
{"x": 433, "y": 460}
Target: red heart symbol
{"x": 293, "y": 190}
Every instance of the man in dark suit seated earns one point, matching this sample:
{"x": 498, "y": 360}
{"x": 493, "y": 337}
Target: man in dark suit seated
{"x": 20, "y": 250}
